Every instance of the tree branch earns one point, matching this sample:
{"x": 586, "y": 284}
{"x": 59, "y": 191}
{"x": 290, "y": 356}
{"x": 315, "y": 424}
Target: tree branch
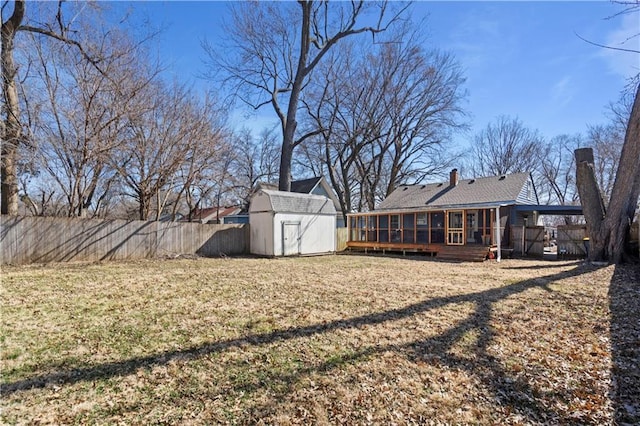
{"x": 307, "y": 136}
{"x": 605, "y": 46}
{"x": 93, "y": 61}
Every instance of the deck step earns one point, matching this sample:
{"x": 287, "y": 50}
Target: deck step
{"x": 463, "y": 253}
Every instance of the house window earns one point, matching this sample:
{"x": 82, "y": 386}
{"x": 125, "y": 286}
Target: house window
{"x": 421, "y": 219}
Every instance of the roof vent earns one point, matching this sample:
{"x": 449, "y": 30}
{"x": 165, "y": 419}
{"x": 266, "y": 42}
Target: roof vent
{"x": 471, "y": 181}
{"x": 423, "y": 186}
{"x": 440, "y": 184}
{"x": 503, "y": 177}
{"x": 405, "y": 188}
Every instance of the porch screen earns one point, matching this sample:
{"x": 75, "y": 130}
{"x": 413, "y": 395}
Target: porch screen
{"x": 407, "y": 228}
{"x": 485, "y": 222}
{"x": 422, "y": 228}
{"x": 383, "y": 224}
{"x": 395, "y": 228}
{"x": 372, "y": 229}
{"x": 437, "y": 228}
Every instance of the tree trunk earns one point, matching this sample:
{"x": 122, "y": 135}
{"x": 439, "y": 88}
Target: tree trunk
{"x": 608, "y": 229}
{"x": 626, "y": 189}
{"x": 591, "y": 200}
{"x": 288, "y": 142}
{"x": 143, "y": 207}
{"x": 286, "y": 156}
{"x": 11, "y": 134}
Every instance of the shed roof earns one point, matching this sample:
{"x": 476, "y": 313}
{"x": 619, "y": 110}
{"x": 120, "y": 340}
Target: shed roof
{"x": 317, "y": 185}
{"x": 290, "y": 202}
{"x": 489, "y": 191}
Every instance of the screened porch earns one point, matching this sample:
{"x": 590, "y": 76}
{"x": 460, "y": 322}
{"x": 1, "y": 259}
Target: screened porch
{"x": 422, "y": 230}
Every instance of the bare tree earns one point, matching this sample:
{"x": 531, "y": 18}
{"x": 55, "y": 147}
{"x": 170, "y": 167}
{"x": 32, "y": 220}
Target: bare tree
{"x": 347, "y": 112}
{"x": 83, "y": 117}
{"x": 505, "y": 146}
{"x": 606, "y": 141}
{"x": 278, "y": 47}
{"x": 557, "y": 169}
{"x": 555, "y": 178}
{"x": 423, "y": 104}
{"x": 256, "y": 161}
{"x": 174, "y": 130}
{"x": 384, "y": 117}
{"x": 608, "y": 223}
{"x": 209, "y": 153}
{"x": 11, "y": 128}
{"x": 557, "y": 162}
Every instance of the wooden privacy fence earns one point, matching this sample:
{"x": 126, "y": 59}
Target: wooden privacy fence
{"x": 342, "y": 236}
{"x": 50, "y": 239}
{"x": 533, "y": 241}
{"x": 570, "y": 241}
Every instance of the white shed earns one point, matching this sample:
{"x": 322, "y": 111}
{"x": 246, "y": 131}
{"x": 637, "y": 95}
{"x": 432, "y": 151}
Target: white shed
{"x": 289, "y": 224}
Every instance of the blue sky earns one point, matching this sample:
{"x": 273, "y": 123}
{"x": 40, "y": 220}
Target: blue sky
{"x": 522, "y": 59}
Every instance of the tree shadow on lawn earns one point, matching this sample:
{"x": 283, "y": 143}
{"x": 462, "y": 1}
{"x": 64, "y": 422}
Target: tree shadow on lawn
{"x": 624, "y": 304}
{"x": 514, "y": 393}
{"x": 545, "y": 265}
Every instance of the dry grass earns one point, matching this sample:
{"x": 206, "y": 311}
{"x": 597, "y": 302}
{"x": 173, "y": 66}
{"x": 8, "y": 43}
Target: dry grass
{"x": 324, "y": 340}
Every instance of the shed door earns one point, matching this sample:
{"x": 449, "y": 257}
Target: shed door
{"x": 290, "y": 238}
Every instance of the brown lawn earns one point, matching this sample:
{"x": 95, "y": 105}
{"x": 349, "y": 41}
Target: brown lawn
{"x": 323, "y": 340}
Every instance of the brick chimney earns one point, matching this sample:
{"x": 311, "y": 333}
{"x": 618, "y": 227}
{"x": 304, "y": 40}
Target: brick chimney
{"x": 453, "y": 177}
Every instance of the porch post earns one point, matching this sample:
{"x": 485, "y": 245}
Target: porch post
{"x": 498, "y": 242}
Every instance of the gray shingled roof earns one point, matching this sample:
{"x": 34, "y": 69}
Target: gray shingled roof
{"x": 490, "y": 191}
{"x": 290, "y": 202}
{"x": 304, "y": 186}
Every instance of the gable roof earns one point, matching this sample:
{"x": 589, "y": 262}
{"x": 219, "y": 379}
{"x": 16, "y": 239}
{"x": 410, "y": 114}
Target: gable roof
{"x": 266, "y": 200}
{"x": 211, "y": 213}
{"x": 315, "y": 185}
{"x": 305, "y": 186}
{"x": 488, "y": 191}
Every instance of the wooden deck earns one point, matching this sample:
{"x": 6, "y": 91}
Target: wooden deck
{"x": 470, "y": 253}
{"x": 394, "y": 247}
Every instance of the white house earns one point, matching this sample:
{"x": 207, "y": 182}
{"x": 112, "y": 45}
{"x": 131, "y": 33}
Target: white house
{"x": 289, "y": 224}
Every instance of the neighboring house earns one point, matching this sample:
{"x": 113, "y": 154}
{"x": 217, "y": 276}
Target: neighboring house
{"x": 316, "y": 186}
{"x": 236, "y": 219}
{"x": 458, "y": 219}
{"x": 214, "y": 214}
{"x": 171, "y": 218}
